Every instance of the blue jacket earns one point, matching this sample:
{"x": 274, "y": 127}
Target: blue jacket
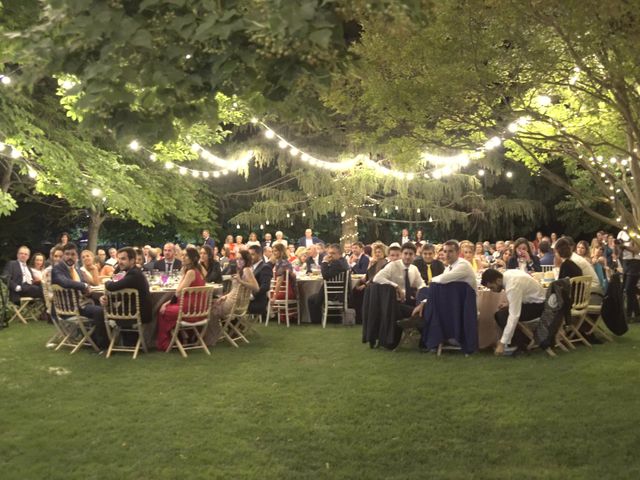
{"x": 361, "y": 266}
{"x": 451, "y": 312}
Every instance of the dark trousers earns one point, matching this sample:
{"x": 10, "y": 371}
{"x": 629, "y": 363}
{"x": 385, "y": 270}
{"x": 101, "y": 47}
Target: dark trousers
{"x": 96, "y": 314}
{"x": 528, "y": 312}
{"x": 33, "y": 291}
{"x": 315, "y": 303}
{"x": 631, "y": 277}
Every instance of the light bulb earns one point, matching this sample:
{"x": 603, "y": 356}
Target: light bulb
{"x": 205, "y": 174}
{"x": 238, "y": 226}
{"x": 5, "y": 80}
{"x": 254, "y": 120}
{"x": 509, "y": 174}
{"x": 269, "y": 133}
{"x": 294, "y": 151}
{"x": 282, "y": 144}
{"x": 32, "y": 173}
{"x": 134, "y": 145}
{"x": 481, "y": 173}
{"x": 543, "y": 100}
{"x": 182, "y": 170}
{"x": 153, "y": 157}
{"x": 168, "y": 165}
{"x": 195, "y": 173}
{"x": 15, "y": 153}
{"x": 267, "y": 222}
{"x": 195, "y": 148}
{"x": 96, "y": 192}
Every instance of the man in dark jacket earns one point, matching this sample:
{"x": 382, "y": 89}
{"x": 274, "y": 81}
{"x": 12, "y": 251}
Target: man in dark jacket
{"x": 67, "y": 275}
{"x": 133, "y": 278}
{"x": 332, "y": 265}
{"x": 263, "y": 273}
{"x": 427, "y": 264}
{"x": 22, "y": 281}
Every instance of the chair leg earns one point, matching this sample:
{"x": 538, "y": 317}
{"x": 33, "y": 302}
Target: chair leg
{"x": 325, "y": 311}
{"x": 269, "y": 310}
{"x": 439, "y": 350}
{"x": 580, "y": 337}
{"x": 201, "y": 341}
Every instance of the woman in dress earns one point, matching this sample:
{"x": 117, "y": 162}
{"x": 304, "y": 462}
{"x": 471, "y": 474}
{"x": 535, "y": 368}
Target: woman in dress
{"x": 212, "y": 270}
{"x": 168, "y": 314}
{"x": 299, "y": 259}
{"x": 37, "y": 266}
{"x": 244, "y": 278}
{"x": 89, "y": 269}
{"x": 280, "y": 268}
{"x": 253, "y": 240}
{"x": 230, "y": 246}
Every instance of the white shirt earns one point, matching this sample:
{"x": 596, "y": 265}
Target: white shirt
{"x": 111, "y": 261}
{"x": 253, "y": 242}
{"x": 626, "y": 254}
{"x": 587, "y": 270}
{"x": 26, "y": 274}
{"x": 520, "y": 288}
{"x": 282, "y": 241}
{"x": 459, "y": 271}
{"x": 393, "y": 274}
{"x": 404, "y": 240}
{"x": 308, "y": 242}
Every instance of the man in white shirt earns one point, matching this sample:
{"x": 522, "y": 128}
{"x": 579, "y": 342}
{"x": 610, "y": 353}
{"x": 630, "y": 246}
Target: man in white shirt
{"x": 404, "y": 276}
{"x": 405, "y": 236}
{"x": 458, "y": 269}
{"x": 526, "y": 301}
{"x": 113, "y": 257}
{"x": 21, "y": 280}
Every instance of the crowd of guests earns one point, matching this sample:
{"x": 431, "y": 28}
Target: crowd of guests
{"x": 407, "y": 265}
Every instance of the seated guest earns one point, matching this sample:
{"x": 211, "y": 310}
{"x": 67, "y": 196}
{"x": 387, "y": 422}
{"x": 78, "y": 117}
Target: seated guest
{"x": 480, "y": 257}
{"x": 280, "y": 239}
{"x": 37, "y": 265}
{"x": 168, "y": 314}
{"x": 280, "y": 267}
{"x": 503, "y": 260}
{"x": 139, "y": 258}
{"x": 332, "y": 265}
{"x": 427, "y": 264}
{"x": 133, "y": 278}
{"x": 358, "y": 261}
{"x": 564, "y": 250}
{"x": 547, "y": 256}
{"x": 313, "y": 257}
{"x": 22, "y": 280}
{"x": 244, "y": 278}
{"x": 299, "y": 261}
{"x": 599, "y": 262}
{"x": 582, "y": 249}
{"x": 113, "y": 257}
{"x": 55, "y": 255}
{"x": 292, "y": 253}
{"x": 106, "y": 270}
{"x": 224, "y": 257}
{"x": 177, "y": 252}
{"x": 66, "y": 274}
{"x": 253, "y": 239}
{"x": 212, "y": 270}
{"x": 523, "y": 257}
{"x": 394, "y": 252}
{"x": 308, "y": 240}
{"x": 169, "y": 263}
{"x": 405, "y": 277}
{"x": 586, "y": 267}
{"x": 378, "y": 261}
{"x": 468, "y": 253}
{"x": 146, "y": 251}
{"x": 526, "y": 302}
{"x": 267, "y": 253}
{"x": 89, "y": 269}
{"x": 457, "y": 269}
{"x": 267, "y": 242}
{"x": 419, "y": 236}
{"x": 263, "y": 273}
{"x": 230, "y": 245}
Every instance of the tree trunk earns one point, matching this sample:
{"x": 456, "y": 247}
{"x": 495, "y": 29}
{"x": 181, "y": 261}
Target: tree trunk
{"x": 95, "y": 222}
{"x": 349, "y": 228}
{"x": 5, "y": 181}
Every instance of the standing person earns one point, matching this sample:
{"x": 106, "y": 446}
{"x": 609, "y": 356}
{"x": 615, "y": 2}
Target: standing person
{"x": 331, "y": 266}
{"x": 212, "y": 270}
{"x": 133, "y": 278}
{"x": 263, "y": 273}
{"x": 405, "y": 236}
{"x": 230, "y": 245}
{"x": 526, "y": 302}
{"x": 308, "y": 240}
{"x": 63, "y": 239}
{"x": 22, "y": 280}
{"x": 169, "y": 263}
{"x": 547, "y": 257}
{"x": 206, "y": 238}
{"x": 168, "y": 314}
{"x": 66, "y": 274}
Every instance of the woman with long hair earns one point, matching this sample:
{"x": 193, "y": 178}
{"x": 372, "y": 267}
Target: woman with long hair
{"x": 280, "y": 268}
{"x": 523, "y": 257}
{"x": 168, "y": 314}
{"x": 582, "y": 249}
{"x": 89, "y": 269}
{"x": 242, "y": 278}
{"x": 211, "y": 269}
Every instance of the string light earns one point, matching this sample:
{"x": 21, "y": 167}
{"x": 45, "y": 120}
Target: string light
{"x": 6, "y": 80}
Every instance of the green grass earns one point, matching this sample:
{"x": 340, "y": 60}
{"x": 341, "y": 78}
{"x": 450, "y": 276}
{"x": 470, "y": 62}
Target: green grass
{"x": 313, "y": 403}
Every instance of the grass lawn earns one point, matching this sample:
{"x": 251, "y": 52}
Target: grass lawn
{"x": 312, "y": 403}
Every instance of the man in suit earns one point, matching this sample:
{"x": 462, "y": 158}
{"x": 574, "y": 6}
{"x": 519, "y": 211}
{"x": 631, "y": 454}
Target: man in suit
{"x": 358, "y": 261}
{"x": 207, "y": 240}
{"x": 427, "y": 264}
{"x": 314, "y": 257}
{"x": 169, "y": 263}
{"x": 133, "y": 278}
{"x": 67, "y": 275}
{"x": 405, "y": 236}
{"x": 22, "y": 281}
{"x": 308, "y": 240}
{"x": 332, "y": 265}
{"x": 264, "y": 273}
{"x": 267, "y": 240}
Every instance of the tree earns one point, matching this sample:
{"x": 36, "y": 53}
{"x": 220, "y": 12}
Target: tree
{"x": 552, "y": 81}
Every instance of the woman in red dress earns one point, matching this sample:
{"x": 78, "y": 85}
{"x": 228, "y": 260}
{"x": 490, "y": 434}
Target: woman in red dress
{"x": 168, "y": 315}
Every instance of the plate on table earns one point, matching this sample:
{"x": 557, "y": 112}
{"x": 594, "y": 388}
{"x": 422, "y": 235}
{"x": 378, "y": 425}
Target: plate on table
{"x": 358, "y": 276}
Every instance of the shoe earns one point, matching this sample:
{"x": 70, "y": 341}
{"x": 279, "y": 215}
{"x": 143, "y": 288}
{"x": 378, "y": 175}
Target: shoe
{"x": 416, "y": 321}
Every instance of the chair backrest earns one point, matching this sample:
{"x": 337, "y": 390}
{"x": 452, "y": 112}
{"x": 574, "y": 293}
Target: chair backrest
{"x": 337, "y": 286}
{"x": 241, "y": 305}
{"x": 65, "y": 301}
{"x": 46, "y": 289}
{"x": 123, "y": 305}
{"x": 195, "y": 303}
{"x": 284, "y": 286}
{"x": 580, "y": 292}
{"x": 547, "y": 268}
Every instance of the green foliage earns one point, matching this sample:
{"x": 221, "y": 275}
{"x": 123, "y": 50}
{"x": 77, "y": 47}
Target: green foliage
{"x": 7, "y": 204}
